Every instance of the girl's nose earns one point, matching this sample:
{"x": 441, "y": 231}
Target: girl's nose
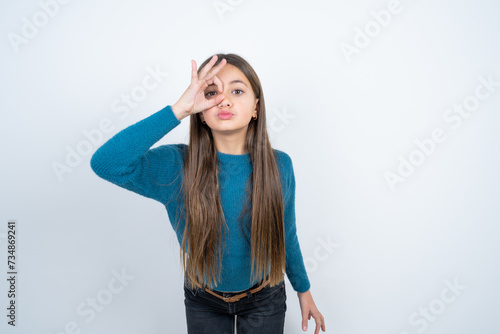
{"x": 225, "y": 102}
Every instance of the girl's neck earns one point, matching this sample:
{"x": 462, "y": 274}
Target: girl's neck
{"x": 230, "y": 145}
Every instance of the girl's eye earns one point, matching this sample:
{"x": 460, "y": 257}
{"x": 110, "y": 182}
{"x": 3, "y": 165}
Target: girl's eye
{"x": 238, "y": 90}
{"x": 210, "y": 94}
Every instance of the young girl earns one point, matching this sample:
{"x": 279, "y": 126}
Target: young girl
{"x": 230, "y": 198}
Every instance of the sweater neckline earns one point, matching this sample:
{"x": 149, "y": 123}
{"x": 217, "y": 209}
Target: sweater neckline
{"x": 238, "y": 159}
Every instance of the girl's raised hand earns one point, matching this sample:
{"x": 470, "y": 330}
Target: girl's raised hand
{"x": 193, "y": 100}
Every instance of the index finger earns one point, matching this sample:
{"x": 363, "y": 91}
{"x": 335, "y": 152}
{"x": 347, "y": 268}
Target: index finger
{"x": 207, "y": 67}
{"x": 212, "y": 72}
{"x": 218, "y": 83}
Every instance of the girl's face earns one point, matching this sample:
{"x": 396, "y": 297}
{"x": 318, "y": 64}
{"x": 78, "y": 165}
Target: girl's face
{"x": 239, "y": 100}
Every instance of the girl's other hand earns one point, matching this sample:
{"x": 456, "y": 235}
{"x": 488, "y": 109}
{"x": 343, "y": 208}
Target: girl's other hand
{"x": 193, "y": 100}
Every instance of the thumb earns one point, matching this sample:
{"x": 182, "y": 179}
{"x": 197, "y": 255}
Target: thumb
{"x": 216, "y": 100}
{"x": 304, "y": 322}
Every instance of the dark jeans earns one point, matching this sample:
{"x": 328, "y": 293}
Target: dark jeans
{"x": 262, "y": 312}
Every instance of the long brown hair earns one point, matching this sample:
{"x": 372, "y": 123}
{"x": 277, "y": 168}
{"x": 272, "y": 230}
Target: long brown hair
{"x": 205, "y": 222}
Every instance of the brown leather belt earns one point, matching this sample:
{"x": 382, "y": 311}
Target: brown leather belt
{"x": 235, "y": 298}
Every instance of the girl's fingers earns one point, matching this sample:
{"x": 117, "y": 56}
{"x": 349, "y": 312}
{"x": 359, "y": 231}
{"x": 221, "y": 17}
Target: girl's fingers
{"x": 207, "y": 67}
{"x": 216, "y": 100}
{"x": 194, "y": 73}
{"x": 218, "y": 83}
{"x": 216, "y": 69}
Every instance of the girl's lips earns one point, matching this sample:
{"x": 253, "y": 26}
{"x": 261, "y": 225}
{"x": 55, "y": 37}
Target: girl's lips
{"x": 225, "y": 115}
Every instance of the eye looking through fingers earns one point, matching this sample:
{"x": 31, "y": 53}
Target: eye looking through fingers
{"x": 210, "y": 94}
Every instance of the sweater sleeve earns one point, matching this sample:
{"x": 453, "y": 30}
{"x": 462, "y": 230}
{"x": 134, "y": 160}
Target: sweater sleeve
{"x": 295, "y": 268}
{"x": 127, "y": 160}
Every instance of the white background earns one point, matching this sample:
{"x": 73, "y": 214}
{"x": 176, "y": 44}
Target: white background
{"x": 378, "y": 257}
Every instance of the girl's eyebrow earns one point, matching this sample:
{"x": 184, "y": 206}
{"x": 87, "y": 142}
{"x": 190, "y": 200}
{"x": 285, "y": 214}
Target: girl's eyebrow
{"x": 232, "y": 82}
{"x": 236, "y": 81}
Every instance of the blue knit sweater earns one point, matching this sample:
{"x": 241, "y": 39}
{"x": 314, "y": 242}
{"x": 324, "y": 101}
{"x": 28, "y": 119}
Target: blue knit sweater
{"x": 128, "y": 161}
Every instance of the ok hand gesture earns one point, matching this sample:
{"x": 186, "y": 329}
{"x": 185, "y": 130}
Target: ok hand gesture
{"x": 193, "y": 100}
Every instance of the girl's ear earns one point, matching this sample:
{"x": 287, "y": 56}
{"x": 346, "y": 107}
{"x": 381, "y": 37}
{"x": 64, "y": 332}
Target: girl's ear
{"x": 257, "y": 105}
